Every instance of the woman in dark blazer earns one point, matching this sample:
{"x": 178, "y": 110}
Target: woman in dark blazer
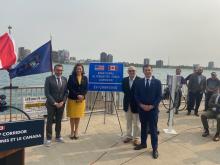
{"x": 76, "y": 104}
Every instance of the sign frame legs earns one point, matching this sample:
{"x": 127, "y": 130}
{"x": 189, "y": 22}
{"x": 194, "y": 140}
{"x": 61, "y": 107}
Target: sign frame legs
{"x": 116, "y": 110}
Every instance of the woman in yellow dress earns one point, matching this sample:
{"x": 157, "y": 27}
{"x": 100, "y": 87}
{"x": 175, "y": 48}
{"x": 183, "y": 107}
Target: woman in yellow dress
{"x": 76, "y": 104}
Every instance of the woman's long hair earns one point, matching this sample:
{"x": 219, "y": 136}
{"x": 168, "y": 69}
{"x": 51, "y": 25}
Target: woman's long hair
{"x": 75, "y": 67}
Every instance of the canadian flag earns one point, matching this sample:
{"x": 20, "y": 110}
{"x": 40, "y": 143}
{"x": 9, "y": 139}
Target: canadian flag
{"x": 112, "y": 67}
{"x": 8, "y": 56}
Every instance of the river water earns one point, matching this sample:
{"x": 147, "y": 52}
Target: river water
{"x": 38, "y": 80}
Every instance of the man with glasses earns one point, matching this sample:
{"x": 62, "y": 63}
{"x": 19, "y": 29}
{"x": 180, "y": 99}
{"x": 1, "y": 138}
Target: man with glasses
{"x": 56, "y": 94}
{"x": 130, "y": 106}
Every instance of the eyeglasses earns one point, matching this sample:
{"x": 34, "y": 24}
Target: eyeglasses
{"x": 131, "y": 71}
{"x": 59, "y": 70}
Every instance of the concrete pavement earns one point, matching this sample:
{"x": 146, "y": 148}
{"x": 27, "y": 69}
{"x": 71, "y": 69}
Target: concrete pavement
{"x": 102, "y": 145}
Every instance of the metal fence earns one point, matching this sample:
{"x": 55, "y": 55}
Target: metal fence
{"x": 103, "y": 102}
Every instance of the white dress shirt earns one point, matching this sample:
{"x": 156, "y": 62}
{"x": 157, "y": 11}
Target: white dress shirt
{"x": 149, "y": 80}
{"x": 131, "y": 81}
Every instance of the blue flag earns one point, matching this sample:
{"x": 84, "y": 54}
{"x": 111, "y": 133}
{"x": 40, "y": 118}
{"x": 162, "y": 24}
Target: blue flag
{"x": 39, "y": 61}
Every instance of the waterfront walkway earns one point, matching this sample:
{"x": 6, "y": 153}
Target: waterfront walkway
{"x": 102, "y": 145}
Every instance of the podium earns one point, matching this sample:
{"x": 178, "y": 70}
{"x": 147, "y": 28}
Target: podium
{"x": 15, "y": 136}
{"x": 14, "y": 156}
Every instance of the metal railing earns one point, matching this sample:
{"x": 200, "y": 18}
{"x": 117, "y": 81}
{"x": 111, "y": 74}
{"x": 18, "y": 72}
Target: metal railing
{"x": 103, "y": 102}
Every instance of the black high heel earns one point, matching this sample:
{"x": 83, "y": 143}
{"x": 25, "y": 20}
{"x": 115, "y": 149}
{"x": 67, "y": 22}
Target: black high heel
{"x": 72, "y": 137}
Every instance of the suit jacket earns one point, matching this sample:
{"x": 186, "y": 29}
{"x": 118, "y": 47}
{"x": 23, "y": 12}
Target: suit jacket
{"x": 52, "y": 93}
{"x": 194, "y": 86}
{"x": 129, "y": 98}
{"x": 213, "y": 104}
{"x": 75, "y": 88}
{"x": 148, "y": 95}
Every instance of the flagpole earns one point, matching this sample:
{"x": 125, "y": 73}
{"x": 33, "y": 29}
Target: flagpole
{"x": 51, "y": 61}
{"x": 9, "y": 30}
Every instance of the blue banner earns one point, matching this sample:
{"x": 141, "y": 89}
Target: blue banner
{"x": 21, "y": 134}
{"x": 105, "y": 77}
{"x": 37, "y": 62}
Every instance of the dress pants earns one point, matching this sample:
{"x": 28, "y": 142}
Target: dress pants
{"x": 177, "y": 100}
{"x": 194, "y": 100}
{"x": 210, "y": 115}
{"x": 133, "y": 124}
{"x": 53, "y": 112}
{"x": 207, "y": 97}
{"x": 149, "y": 118}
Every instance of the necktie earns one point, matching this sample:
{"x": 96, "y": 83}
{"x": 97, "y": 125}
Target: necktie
{"x": 147, "y": 83}
{"x": 130, "y": 83}
{"x": 59, "y": 83}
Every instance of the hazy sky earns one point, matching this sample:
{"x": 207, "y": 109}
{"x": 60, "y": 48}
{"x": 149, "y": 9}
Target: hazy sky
{"x": 185, "y": 31}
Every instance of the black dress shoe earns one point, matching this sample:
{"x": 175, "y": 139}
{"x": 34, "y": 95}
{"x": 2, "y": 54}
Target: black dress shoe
{"x": 140, "y": 146}
{"x": 205, "y": 133}
{"x": 216, "y": 137}
{"x": 196, "y": 114}
{"x": 188, "y": 113}
{"x": 155, "y": 154}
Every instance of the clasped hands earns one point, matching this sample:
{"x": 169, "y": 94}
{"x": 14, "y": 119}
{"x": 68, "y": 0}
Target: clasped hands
{"x": 59, "y": 105}
{"x": 80, "y": 97}
{"x": 146, "y": 107}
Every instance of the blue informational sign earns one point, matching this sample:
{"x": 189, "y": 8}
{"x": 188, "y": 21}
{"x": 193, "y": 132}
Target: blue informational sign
{"x": 21, "y": 134}
{"x": 105, "y": 77}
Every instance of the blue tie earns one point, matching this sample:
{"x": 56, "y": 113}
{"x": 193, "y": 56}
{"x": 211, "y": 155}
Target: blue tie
{"x": 147, "y": 83}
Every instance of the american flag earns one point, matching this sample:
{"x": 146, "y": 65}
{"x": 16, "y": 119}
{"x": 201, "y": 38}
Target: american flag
{"x": 113, "y": 67}
{"x": 2, "y": 127}
{"x": 99, "y": 67}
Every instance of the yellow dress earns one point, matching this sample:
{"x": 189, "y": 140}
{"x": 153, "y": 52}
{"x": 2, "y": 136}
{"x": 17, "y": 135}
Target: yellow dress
{"x": 76, "y": 109}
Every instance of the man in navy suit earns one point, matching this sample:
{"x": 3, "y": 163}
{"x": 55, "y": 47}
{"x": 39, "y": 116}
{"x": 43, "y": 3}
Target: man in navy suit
{"x": 148, "y": 95}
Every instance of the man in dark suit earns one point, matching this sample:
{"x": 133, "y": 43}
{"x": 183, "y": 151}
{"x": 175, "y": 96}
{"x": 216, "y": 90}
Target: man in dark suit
{"x": 148, "y": 96}
{"x": 196, "y": 88}
{"x": 130, "y": 106}
{"x": 56, "y": 94}
{"x": 213, "y": 112}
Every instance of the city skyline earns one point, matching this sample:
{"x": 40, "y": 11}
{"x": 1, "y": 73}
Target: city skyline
{"x": 178, "y": 32}
{"x": 63, "y": 56}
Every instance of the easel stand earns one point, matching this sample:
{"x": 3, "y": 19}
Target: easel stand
{"x": 116, "y": 110}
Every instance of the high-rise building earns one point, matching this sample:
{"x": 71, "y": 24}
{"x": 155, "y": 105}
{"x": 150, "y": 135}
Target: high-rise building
{"x": 211, "y": 65}
{"x": 146, "y": 61}
{"x": 63, "y": 56}
{"x": 110, "y": 58}
{"x": 22, "y": 53}
{"x": 159, "y": 63}
{"x": 103, "y": 57}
